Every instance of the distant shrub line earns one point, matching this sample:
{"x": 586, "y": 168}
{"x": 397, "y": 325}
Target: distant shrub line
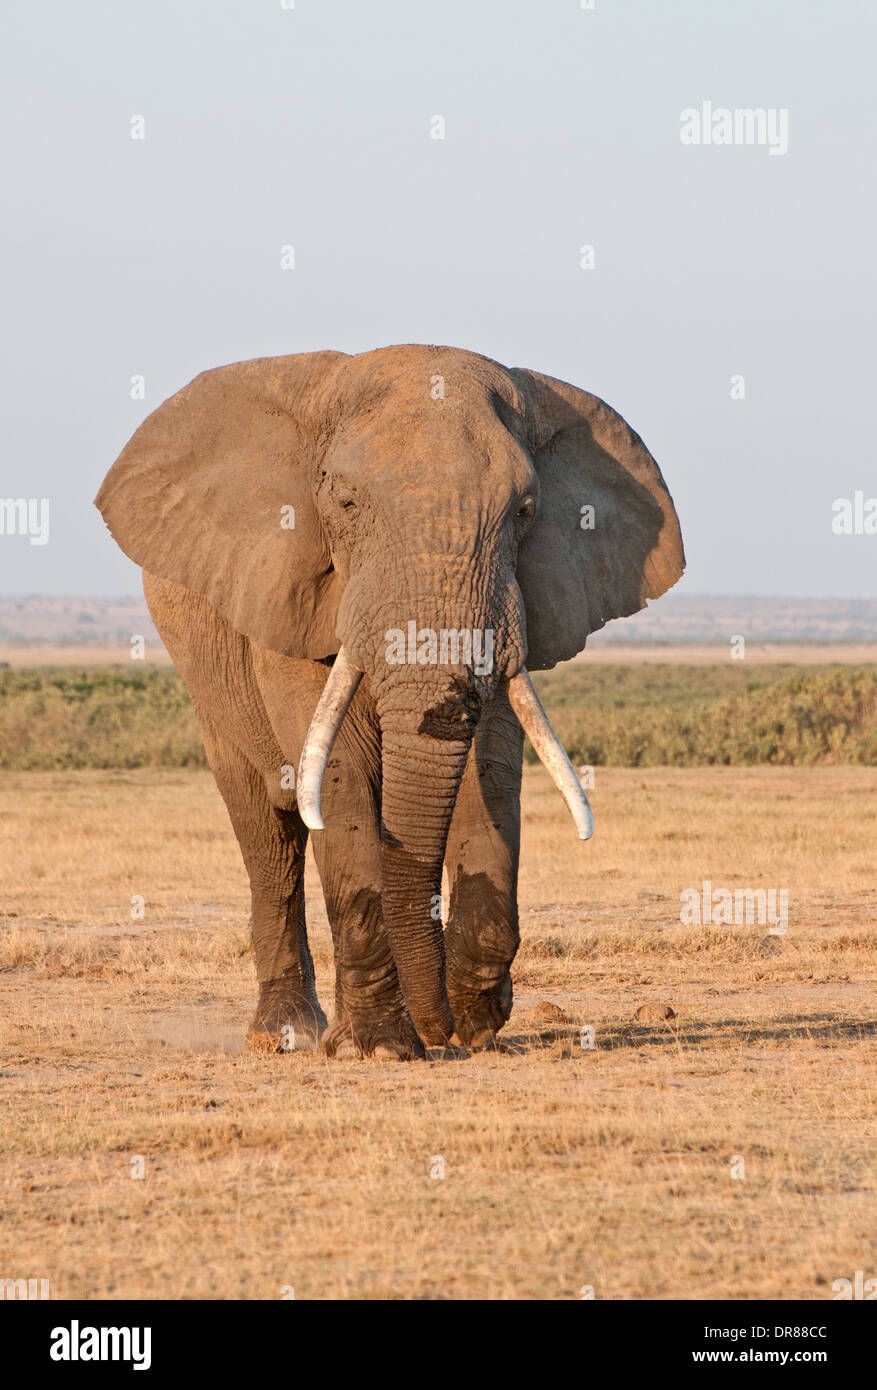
{"x": 606, "y": 715}
{"x": 99, "y": 717}
{"x": 816, "y": 716}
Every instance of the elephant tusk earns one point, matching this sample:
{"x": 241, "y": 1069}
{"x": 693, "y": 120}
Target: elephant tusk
{"x": 550, "y": 751}
{"x": 328, "y": 718}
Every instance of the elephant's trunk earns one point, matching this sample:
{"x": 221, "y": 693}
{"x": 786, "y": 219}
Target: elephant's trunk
{"x": 423, "y": 763}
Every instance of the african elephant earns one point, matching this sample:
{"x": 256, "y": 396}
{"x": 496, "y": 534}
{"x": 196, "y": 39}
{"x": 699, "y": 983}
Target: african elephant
{"x": 350, "y": 559}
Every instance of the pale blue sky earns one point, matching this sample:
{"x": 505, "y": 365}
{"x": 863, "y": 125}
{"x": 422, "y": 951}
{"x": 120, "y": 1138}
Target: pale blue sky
{"x": 311, "y": 126}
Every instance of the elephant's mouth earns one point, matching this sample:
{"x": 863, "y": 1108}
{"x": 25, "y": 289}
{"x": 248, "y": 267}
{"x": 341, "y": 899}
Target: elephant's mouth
{"x": 453, "y": 718}
{"x": 449, "y": 720}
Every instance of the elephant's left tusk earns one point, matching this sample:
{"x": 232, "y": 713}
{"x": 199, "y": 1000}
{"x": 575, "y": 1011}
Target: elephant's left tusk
{"x": 550, "y": 751}
{"x": 328, "y": 718}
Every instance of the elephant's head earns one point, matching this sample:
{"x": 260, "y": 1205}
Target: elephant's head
{"x": 428, "y": 518}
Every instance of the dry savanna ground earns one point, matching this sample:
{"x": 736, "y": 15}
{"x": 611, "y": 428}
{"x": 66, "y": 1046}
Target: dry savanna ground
{"x": 565, "y": 1167}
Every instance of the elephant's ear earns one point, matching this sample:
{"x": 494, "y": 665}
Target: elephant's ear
{"x": 215, "y": 492}
{"x": 606, "y": 537}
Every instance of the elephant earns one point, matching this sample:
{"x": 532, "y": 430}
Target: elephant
{"x": 354, "y": 562}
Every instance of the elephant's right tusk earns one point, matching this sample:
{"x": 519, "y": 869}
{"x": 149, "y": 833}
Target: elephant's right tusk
{"x": 550, "y": 751}
{"x": 328, "y": 718}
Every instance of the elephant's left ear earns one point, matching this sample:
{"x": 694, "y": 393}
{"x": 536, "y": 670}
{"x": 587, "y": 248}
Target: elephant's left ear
{"x": 606, "y": 538}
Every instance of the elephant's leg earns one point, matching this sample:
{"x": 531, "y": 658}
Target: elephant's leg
{"x": 482, "y": 863}
{"x": 370, "y": 1016}
{"x": 272, "y": 841}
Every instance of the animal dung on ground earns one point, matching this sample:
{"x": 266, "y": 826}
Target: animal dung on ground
{"x": 545, "y": 1012}
{"x": 654, "y": 1013}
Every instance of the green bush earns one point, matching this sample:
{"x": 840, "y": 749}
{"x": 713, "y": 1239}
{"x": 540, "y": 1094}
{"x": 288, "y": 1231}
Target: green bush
{"x": 675, "y": 717}
{"x": 104, "y": 716}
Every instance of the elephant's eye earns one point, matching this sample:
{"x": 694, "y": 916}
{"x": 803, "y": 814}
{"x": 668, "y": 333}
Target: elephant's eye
{"x": 527, "y": 507}
{"x": 346, "y": 501}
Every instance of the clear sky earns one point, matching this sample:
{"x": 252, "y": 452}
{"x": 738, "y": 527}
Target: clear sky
{"x": 311, "y": 126}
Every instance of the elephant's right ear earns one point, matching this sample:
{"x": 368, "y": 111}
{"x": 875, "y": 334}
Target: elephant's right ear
{"x": 214, "y": 491}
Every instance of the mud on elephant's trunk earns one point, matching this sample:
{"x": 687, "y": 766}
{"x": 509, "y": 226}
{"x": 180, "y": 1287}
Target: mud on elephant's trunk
{"x": 421, "y": 778}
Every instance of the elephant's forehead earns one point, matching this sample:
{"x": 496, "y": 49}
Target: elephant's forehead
{"x": 432, "y": 414}
{"x": 469, "y": 445}
{"x": 414, "y": 377}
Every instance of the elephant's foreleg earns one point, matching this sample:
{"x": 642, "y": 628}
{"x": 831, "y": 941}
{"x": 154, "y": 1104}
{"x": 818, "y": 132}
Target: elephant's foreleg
{"x": 482, "y": 934}
{"x": 370, "y": 1015}
{"x": 272, "y": 841}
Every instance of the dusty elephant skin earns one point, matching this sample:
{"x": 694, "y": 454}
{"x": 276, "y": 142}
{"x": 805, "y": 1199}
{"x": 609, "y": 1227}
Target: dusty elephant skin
{"x": 350, "y": 560}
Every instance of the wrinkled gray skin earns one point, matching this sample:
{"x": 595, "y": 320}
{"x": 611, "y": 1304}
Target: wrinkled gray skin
{"x": 428, "y": 485}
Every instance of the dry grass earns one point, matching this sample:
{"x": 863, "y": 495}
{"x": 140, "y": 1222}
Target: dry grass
{"x": 564, "y": 1167}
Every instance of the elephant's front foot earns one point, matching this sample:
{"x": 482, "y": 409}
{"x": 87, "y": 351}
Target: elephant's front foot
{"x": 391, "y": 1037}
{"x": 479, "y": 1013}
{"x": 288, "y": 1018}
{"x": 371, "y": 1019}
